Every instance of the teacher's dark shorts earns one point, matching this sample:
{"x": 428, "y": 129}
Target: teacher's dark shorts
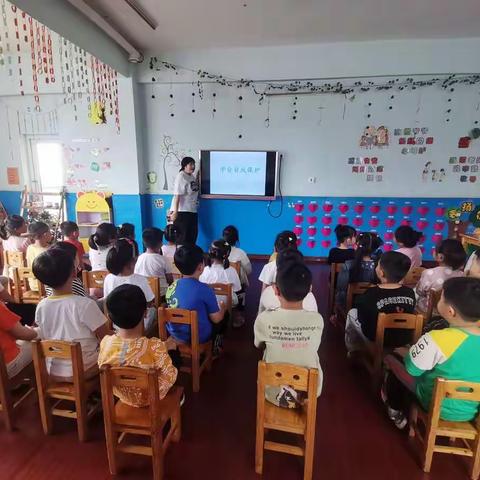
{"x": 187, "y": 224}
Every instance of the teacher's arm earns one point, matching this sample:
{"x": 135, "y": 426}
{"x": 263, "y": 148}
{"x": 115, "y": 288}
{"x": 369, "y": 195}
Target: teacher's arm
{"x": 173, "y": 213}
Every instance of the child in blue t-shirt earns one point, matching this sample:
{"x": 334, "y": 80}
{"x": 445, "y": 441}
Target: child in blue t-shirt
{"x": 190, "y": 294}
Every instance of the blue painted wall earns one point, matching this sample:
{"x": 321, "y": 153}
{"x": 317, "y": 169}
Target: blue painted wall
{"x": 11, "y": 201}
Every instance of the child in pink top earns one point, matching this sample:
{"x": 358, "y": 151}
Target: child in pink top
{"x": 407, "y": 239}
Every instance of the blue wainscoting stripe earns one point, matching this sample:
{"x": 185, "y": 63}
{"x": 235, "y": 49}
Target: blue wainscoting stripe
{"x": 11, "y": 200}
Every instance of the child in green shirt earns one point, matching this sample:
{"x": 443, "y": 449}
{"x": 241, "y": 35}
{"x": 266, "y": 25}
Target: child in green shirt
{"x": 452, "y": 353}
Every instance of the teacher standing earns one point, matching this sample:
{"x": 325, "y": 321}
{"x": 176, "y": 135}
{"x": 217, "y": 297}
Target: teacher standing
{"x": 183, "y": 211}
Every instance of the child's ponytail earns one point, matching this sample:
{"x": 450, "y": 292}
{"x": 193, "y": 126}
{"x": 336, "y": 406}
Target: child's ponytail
{"x": 11, "y": 225}
{"x": 407, "y": 236}
{"x": 103, "y": 236}
{"x": 219, "y": 250}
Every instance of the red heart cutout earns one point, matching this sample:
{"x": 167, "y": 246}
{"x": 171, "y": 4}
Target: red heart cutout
{"x": 312, "y": 220}
{"x": 422, "y": 249}
{"x": 357, "y": 221}
{"x": 313, "y": 206}
{"x": 298, "y": 218}
{"x": 298, "y": 230}
{"x": 326, "y": 231}
{"x": 310, "y": 243}
{"x": 439, "y": 226}
{"x": 388, "y": 236}
{"x": 326, "y": 220}
{"x": 406, "y": 222}
{"x": 299, "y": 242}
{"x": 327, "y": 207}
{"x": 325, "y": 243}
{"x": 342, "y": 220}
{"x": 391, "y": 209}
{"x": 437, "y": 237}
{"x": 423, "y": 210}
{"x": 374, "y": 222}
{"x": 440, "y": 211}
{"x": 388, "y": 247}
{"x": 389, "y": 222}
{"x": 422, "y": 239}
{"x": 375, "y": 209}
{"x": 421, "y": 224}
{"x": 359, "y": 208}
{"x": 429, "y": 140}
{"x": 407, "y": 209}
{"x": 343, "y": 207}
{"x": 298, "y": 207}
{"x": 312, "y": 231}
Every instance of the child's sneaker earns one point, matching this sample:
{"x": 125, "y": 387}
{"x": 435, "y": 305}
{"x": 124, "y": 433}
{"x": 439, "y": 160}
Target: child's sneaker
{"x": 217, "y": 346}
{"x": 397, "y": 417}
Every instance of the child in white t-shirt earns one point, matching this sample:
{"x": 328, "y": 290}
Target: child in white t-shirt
{"x": 218, "y": 269}
{"x": 230, "y": 235}
{"x": 100, "y": 244}
{"x": 168, "y": 250}
{"x": 65, "y": 316}
{"x": 284, "y": 240}
{"x": 12, "y": 237}
{"x": 472, "y": 268}
{"x": 152, "y": 263}
{"x": 121, "y": 265}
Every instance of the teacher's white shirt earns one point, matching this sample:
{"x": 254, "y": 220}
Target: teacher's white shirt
{"x": 186, "y": 186}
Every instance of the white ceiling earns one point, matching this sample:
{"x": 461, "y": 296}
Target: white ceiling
{"x": 184, "y": 24}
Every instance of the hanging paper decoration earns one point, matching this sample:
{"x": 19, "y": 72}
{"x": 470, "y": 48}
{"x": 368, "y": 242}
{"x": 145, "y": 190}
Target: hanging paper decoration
{"x": 97, "y": 115}
{"x": 374, "y": 137}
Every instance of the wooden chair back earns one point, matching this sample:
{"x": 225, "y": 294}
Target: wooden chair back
{"x": 434, "y": 426}
{"x": 190, "y": 352}
{"x": 224, "y": 290}
{"x": 299, "y": 421}
{"x": 93, "y": 279}
{"x": 335, "y": 269}
{"x": 237, "y": 266}
{"x": 48, "y": 389}
{"x": 14, "y": 259}
{"x": 154, "y": 283}
{"x": 23, "y": 280}
{"x": 8, "y": 402}
{"x": 433, "y": 299}
{"x": 121, "y": 419}
{"x": 356, "y": 289}
{"x": 413, "y": 276}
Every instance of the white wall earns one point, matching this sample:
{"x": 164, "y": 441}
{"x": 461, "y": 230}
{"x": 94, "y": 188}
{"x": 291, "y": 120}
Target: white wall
{"x": 328, "y": 127}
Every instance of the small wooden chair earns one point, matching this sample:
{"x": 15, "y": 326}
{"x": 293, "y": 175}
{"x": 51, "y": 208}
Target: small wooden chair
{"x": 93, "y": 279}
{"x": 467, "y": 432}
{"x": 335, "y": 269}
{"x": 224, "y": 290}
{"x": 14, "y": 259}
{"x": 191, "y": 351}
{"x": 7, "y": 401}
{"x": 237, "y": 266}
{"x": 433, "y": 299}
{"x": 77, "y": 391}
{"x": 356, "y": 289}
{"x": 23, "y": 277}
{"x": 299, "y": 421}
{"x": 413, "y": 276}
{"x": 121, "y": 419}
{"x": 154, "y": 283}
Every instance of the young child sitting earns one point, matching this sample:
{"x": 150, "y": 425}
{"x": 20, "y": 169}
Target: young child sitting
{"x": 152, "y": 263}
{"x": 190, "y": 294}
{"x": 129, "y": 347}
{"x": 361, "y": 268}
{"x": 14, "y": 341}
{"x": 472, "y": 268}
{"x": 121, "y": 265}
{"x": 218, "y": 269}
{"x": 12, "y": 236}
{"x": 388, "y": 297}
{"x": 230, "y": 235}
{"x": 67, "y": 317}
{"x": 127, "y": 230}
{"x": 345, "y": 243}
{"x": 452, "y": 353}
{"x": 270, "y": 301}
{"x": 100, "y": 243}
{"x": 450, "y": 257}
{"x": 168, "y": 250}
{"x": 407, "y": 239}
{"x": 278, "y": 331}
{"x": 70, "y": 233}
{"x": 42, "y": 237}
{"x": 284, "y": 240}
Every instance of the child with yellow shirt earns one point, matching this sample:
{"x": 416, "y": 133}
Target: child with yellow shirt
{"x": 42, "y": 237}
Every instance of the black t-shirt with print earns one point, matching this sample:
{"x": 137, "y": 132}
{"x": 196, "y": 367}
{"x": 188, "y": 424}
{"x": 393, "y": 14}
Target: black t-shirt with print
{"x": 385, "y": 300}
{"x": 340, "y": 255}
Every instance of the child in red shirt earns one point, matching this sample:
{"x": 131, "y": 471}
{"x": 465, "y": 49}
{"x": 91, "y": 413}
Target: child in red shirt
{"x": 70, "y": 234}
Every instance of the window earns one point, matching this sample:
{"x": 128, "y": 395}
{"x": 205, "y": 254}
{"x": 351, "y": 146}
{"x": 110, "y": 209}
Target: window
{"x": 49, "y": 171}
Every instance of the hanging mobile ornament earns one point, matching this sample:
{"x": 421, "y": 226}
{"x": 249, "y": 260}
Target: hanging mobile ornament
{"x": 294, "y": 108}
{"x": 19, "y": 56}
{"x": 51, "y": 67}
{"x": 117, "y": 110}
{"x": 240, "y": 111}
{"x": 267, "y": 120}
{"x": 214, "y": 102}
{"x": 171, "y": 102}
{"x": 36, "y": 96}
{"x": 6, "y": 40}
{"x": 24, "y": 27}
{"x": 368, "y": 110}
{"x": 193, "y": 98}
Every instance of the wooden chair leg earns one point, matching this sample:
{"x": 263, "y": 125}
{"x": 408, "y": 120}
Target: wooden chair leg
{"x": 7, "y": 408}
{"x": 476, "y": 459}
{"x": 157, "y": 456}
{"x": 309, "y": 452}
{"x": 81, "y": 409}
{"x": 259, "y": 443}
{"x": 111, "y": 441}
{"x": 177, "y": 424}
{"x": 195, "y": 374}
{"x": 429, "y": 444}
{"x": 45, "y": 414}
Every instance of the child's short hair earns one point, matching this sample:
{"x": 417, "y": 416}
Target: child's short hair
{"x": 288, "y": 256}
{"x": 294, "y": 281}
{"x": 126, "y": 230}
{"x": 37, "y": 229}
{"x": 53, "y": 267}
{"x": 171, "y": 233}
{"x": 126, "y": 306}
{"x": 120, "y": 255}
{"x": 454, "y": 255}
{"x": 343, "y": 232}
{"x": 284, "y": 240}
{"x": 230, "y": 235}
{"x": 407, "y": 236}
{"x": 66, "y": 247}
{"x": 104, "y": 234}
{"x": 11, "y": 225}
{"x": 395, "y": 266}
{"x": 187, "y": 258}
{"x": 152, "y": 237}
{"x": 219, "y": 250}
{"x": 68, "y": 228}
{"x": 463, "y": 294}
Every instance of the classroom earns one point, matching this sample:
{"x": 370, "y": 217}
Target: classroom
{"x": 239, "y": 239}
